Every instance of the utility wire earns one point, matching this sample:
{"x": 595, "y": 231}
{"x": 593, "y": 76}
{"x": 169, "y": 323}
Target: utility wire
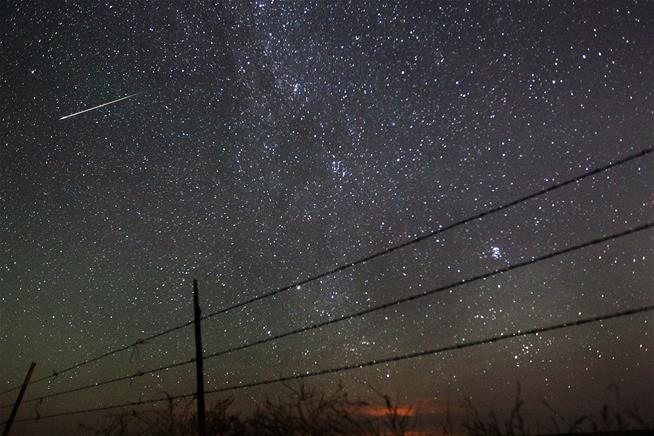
{"x": 381, "y": 361}
{"x": 355, "y": 314}
{"x": 350, "y": 264}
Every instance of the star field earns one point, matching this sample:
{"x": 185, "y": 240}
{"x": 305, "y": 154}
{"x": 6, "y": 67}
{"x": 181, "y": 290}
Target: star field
{"x": 271, "y": 141}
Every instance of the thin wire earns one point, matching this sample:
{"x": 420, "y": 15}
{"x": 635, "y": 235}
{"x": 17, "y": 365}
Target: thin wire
{"x": 104, "y": 382}
{"x": 433, "y": 291}
{"x": 348, "y": 265}
{"x": 434, "y": 351}
{"x": 356, "y": 314}
{"x": 390, "y": 359}
{"x": 102, "y": 356}
{"x": 430, "y": 234}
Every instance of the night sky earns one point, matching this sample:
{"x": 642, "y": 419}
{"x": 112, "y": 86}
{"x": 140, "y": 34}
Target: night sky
{"x": 270, "y": 141}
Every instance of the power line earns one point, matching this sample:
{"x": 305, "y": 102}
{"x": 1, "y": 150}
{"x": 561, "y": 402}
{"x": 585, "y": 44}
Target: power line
{"x": 355, "y": 314}
{"x": 381, "y": 361}
{"x": 349, "y": 264}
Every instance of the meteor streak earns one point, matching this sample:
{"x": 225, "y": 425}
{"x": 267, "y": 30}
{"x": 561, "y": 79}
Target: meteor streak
{"x": 99, "y": 106}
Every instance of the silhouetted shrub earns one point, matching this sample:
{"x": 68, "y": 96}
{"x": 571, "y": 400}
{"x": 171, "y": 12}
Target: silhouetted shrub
{"x": 299, "y": 410}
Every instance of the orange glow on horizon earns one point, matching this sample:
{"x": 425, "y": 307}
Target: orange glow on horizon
{"x": 384, "y": 411}
{"x": 422, "y": 408}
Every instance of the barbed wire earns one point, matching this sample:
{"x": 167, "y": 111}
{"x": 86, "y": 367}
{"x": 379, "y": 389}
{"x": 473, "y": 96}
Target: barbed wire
{"x": 346, "y": 265}
{"x": 374, "y": 362}
{"x": 355, "y": 314}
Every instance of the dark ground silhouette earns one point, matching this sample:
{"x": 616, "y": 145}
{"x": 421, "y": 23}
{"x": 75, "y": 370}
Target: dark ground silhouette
{"x": 301, "y": 410}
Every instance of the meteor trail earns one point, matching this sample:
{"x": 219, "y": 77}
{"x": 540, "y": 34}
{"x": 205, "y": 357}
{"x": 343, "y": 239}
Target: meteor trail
{"x": 99, "y": 106}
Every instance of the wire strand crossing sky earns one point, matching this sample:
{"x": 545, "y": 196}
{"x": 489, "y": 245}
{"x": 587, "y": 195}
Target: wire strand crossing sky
{"x": 352, "y": 264}
{"x": 375, "y": 362}
{"x": 446, "y": 287}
